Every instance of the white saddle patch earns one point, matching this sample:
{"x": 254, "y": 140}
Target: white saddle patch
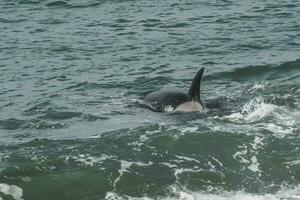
{"x": 190, "y": 106}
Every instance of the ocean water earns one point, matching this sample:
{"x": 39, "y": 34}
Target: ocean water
{"x": 74, "y": 126}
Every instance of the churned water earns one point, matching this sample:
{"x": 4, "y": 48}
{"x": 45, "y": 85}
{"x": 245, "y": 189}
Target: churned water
{"x": 73, "y": 124}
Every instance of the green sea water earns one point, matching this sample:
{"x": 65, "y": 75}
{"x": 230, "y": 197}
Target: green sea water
{"x": 74, "y": 126}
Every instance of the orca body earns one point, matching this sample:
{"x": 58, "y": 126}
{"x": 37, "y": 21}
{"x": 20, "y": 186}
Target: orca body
{"x": 169, "y": 100}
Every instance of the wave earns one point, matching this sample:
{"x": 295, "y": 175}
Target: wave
{"x": 259, "y": 72}
{"x": 29, "y": 2}
{"x": 45, "y": 121}
{"x": 61, "y": 115}
{"x": 71, "y": 5}
{"x": 86, "y": 85}
{"x": 15, "y": 124}
{"x": 9, "y": 21}
{"x": 57, "y": 4}
{"x": 11, "y": 123}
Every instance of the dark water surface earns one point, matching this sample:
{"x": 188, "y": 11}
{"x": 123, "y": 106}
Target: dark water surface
{"x": 73, "y": 124}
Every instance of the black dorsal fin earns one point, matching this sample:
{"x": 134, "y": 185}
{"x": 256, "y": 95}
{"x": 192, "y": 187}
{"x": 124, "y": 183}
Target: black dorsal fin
{"x": 194, "y": 91}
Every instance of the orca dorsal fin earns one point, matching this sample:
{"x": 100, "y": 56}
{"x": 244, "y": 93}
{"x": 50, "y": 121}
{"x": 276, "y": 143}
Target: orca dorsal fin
{"x": 194, "y": 91}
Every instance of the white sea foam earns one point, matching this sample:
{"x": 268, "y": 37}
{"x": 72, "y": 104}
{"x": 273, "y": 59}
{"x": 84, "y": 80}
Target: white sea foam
{"x": 112, "y": 196}
{"x": 189, "y": 129}
{"x": 187, "y": 158}
{"x": 138, "y": 143}
{"x": 257, "y": 142}
{"x": 88, "y": 160}
{"x": 237, "y": 196}
{"x": 247, "y": 156}
{"x": 95, "y": 136}
{"x": 12, "y": 190}
{"x": 257, "y": 86}
{"x": 181, "y": 130}
{"x": 145, "y": 137}
{"x": 240, "y": 155}
{"x": 217, "y": 161}
{"x": 278, "y": 131}
{"x": 179, "y": 171}
{"x": 289, "y": 194}
{"x": 125, "y": 167}
{"x": 292, "y": 163}
{"x": 169, "y": 165}
{"x": 183, "y": 194}
{"x": 254, "y": 166}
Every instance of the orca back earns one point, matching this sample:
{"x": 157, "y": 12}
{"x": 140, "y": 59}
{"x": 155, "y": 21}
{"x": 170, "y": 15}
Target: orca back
{"x": 161, "y": 100}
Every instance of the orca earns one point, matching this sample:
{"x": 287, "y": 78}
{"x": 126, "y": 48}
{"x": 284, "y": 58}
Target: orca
{"x": 174, "y": 100}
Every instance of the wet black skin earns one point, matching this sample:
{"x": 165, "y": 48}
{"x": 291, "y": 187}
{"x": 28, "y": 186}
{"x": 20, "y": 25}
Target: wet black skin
{"x": 162, "y": 99}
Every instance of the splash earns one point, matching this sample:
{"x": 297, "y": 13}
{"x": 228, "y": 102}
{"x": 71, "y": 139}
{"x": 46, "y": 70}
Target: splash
{"x": 276, "y": 119}
{"x": 253, "y": 111}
